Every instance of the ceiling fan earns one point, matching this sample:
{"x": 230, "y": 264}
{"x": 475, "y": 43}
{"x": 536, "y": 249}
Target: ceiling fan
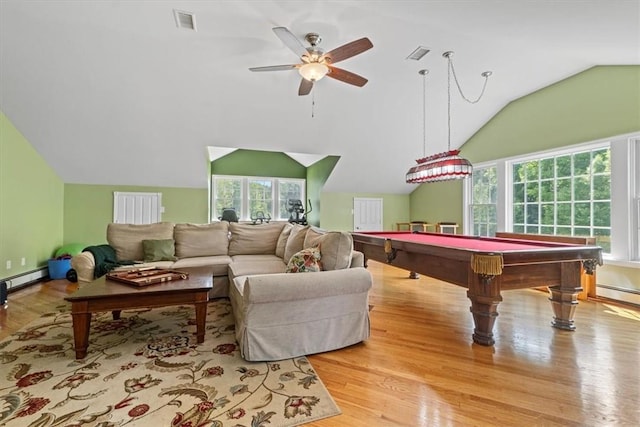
{"x": 315, "y": 63}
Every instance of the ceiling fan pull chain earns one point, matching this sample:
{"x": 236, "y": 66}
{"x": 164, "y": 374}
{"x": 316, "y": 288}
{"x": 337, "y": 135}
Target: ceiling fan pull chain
{"x": 313, "y": 104}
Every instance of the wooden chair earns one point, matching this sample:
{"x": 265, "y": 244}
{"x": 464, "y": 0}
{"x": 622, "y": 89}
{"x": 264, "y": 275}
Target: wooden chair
{"x": 447, "y": 227}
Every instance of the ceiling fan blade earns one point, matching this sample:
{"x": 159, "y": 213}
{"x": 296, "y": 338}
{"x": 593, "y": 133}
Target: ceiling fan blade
{"x": 305, "y": 87}
{"x": 275, "y": 68}
{"x": 346, "y": 76}
{"x": 291, "y": 41}
{"x": 348, "y": 50}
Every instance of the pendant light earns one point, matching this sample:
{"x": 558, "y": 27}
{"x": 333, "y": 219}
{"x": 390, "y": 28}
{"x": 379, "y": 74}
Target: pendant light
{"x": 447, "y": 165}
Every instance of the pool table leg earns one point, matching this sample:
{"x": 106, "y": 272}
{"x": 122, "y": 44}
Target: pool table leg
{"x": 564, "y": 297}
{"x": 484, "y": 293}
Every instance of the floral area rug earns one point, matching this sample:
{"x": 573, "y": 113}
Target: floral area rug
{"x": 146, "y": 369}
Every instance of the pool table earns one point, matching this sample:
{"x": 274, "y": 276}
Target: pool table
{"x": 487, "y": 266}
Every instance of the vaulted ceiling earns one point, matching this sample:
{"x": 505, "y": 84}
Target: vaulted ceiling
{"x": 113, "y": 92}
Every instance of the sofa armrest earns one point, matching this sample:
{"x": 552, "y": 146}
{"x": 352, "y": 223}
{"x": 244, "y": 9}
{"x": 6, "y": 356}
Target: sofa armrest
{"x": 265, "y": 288}
{"x": 84, "y": 264}
{"x": 357, "y": 259}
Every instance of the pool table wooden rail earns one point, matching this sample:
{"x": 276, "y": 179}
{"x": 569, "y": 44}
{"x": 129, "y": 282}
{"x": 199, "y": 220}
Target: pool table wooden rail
{"x": 587, "y": 280}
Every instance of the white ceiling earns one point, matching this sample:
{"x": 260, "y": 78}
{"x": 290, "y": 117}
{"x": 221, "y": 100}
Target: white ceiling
{"x": 112, "y": 92}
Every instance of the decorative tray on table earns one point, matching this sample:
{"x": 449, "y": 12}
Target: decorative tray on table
{"x": 145, "y": 276}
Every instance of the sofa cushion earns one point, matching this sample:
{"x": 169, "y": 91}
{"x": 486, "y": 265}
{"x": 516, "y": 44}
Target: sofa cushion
{"x": 256, "y": 258}
{"x": 295, "y": 242}
{"x": 217, "y": 263}
{"x": 335, "y": 247}
{"x": 127, "y": 239}
{"x": 282, "y": 240}
{"x": 248, "y": 239}
{"x": 198, "y": 240}
{"x": 159, "y": 250}
{"x": 312, "y": 236}
{"x": 255, "y": 267}
{"x": 305, "y": 261}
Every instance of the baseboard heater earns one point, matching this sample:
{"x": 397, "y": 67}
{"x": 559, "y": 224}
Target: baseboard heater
{"x": 617, "y": 293}
{"x": 26, "y": 278}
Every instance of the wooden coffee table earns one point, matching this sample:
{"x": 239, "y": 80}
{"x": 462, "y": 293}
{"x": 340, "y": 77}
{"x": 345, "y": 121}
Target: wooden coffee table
{"x": 108, "y": 295}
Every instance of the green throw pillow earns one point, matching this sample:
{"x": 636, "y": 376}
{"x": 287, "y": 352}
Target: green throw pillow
{"x": 159, "y": 250}
{"x": 305, "y": 261}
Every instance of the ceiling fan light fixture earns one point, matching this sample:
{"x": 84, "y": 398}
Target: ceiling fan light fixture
{"x": 313, "y": 71}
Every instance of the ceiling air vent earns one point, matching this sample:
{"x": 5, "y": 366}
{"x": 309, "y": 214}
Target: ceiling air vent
{"x": 185, "y": 19}
{"x": 417, "y": 54}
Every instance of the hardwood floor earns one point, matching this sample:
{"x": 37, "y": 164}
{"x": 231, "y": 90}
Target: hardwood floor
{"x": 420, "y": 368}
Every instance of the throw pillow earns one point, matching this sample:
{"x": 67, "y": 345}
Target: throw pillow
{"x": 305, "y": 261}
{"x": 282, "y": 240}
{"x": 295, "y": 241}
{"x": 159, "y": 250}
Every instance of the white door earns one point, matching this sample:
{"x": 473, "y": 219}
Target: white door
{"x": 367, "y": 214}
{"x": 137, "y": 208}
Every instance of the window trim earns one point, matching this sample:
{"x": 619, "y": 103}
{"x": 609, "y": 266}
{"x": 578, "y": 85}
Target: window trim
{"x": 467, "y": 216}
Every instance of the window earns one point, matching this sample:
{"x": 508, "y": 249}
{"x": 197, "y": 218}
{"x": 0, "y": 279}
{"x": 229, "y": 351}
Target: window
{"x": 260, "y": 198}
{"x": 590, "y": 189}
{"x": 227, "y": 193}
{"x": 291, "y": 189}
{"x": 567, "y": 194}
{"x": 252, "y": 196}
{"x": 484, "y": 201}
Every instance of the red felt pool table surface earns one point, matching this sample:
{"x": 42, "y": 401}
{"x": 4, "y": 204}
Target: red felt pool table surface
{"x": 483, "y": 244}
{"x": 486, "y": 266}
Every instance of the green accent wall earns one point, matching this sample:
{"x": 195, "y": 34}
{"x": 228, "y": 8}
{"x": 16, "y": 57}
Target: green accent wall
{"x": 89, "y": 208}
{"x": 597, "y": 103}
{"x": 338, "y": 210}
{"x": 258, "y": 163}
{"x": 441, "y": 202}
{"x": 31, "y": 208}
{"x": 317, "y": 175}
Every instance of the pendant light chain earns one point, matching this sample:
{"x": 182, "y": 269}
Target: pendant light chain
{"x": 452, "y": 69}
{"x": 449, "y": 104}
{"x": 424, "y": 111}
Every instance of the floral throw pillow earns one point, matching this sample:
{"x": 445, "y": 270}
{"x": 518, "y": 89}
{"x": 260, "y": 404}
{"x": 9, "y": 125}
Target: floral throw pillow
{"x": 305, "y": 261}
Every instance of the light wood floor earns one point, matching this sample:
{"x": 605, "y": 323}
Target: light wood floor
{"x": 420, "y": 368}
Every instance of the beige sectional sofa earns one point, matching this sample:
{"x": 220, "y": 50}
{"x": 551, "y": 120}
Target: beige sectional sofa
{"x": 278, "y": 314}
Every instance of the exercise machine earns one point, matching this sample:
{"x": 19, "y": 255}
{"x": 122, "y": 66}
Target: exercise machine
{"x": 297, "y": 211}
{"x": 260, "y": 216}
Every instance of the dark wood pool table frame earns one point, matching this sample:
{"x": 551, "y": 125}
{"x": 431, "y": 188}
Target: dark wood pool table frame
{"x": 551, "y": 264}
